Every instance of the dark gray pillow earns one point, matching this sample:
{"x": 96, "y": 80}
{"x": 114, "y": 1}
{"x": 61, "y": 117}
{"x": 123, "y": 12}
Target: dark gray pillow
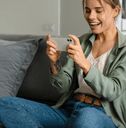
{"x": 15, "y": 57}
{"x": 36, "y": 85}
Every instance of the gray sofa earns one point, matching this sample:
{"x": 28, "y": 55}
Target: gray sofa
{"x": 33, "y": 82}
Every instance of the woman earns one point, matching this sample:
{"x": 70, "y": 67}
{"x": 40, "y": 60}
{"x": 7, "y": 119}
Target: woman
{"x": 92, "y": 82}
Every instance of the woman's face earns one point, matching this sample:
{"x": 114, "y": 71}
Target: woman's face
{"x": 100, "y": 17}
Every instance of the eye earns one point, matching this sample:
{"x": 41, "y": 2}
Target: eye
{"x": 87, "y": 11}
{"x": 99, "y": 11}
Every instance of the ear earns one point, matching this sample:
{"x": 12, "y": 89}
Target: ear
{"x": 116, "y": 11}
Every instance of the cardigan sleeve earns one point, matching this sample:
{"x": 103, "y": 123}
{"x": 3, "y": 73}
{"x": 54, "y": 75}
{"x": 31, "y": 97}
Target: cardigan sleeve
{"x": 63, "y": 80}
{"x": 110, "y": 85}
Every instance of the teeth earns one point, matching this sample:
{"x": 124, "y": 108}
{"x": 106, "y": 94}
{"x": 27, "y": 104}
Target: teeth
{"x": 92, "y": 24}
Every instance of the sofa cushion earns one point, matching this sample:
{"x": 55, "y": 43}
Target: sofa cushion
{"x": 36, "y": 85}
{"x": 15, "y": 57}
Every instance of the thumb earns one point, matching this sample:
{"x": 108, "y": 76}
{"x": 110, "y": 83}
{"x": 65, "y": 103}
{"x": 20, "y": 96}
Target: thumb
{"x": 48, "y": 37}
{"x": 75, "y": 39}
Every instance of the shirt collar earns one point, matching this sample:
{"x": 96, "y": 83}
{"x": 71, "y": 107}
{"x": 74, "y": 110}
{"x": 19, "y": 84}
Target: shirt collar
{"x": 92, "y": 38}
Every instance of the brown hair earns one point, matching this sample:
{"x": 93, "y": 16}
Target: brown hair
{"x": 112, "y": 3}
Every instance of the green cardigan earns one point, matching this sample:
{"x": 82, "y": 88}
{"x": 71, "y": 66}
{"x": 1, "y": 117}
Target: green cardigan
{"x": 111, "y": 84}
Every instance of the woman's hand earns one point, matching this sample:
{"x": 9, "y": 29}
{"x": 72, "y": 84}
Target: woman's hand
{"x": 76, "y": 53}
{"x": 53, "y": 55}
{"x": 51, "y": 51}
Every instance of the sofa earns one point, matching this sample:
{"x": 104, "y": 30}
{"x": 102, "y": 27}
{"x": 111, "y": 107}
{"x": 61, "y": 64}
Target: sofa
{"x": 24, "y": 68}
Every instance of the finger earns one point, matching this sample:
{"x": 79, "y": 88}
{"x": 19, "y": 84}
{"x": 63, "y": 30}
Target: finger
{"x": 48, "y": 37}
{"x": 75, "y": 39}
{"x": 51, "y": 44}
{"x": 71, "y": 46}
{"x": 71, "y": 55}
{"x": 53, "y": 50}
{"x": 70, "y": 51}
{"x": 51, "y": 53}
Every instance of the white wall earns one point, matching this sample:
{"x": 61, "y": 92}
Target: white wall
{"x": 72, "y": 19}
{"x": 41, "y": 17}
{"x": 29, "y": 16}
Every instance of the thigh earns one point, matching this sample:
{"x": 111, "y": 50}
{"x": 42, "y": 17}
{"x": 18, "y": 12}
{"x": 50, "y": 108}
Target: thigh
{"x": 89, "y": 117}
{"x": 21, "y": 113}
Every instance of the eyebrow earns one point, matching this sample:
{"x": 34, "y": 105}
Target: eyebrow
{"x": 95, "y": 8}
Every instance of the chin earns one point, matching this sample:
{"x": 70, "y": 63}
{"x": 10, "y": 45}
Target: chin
{"x": 96, "y": 31}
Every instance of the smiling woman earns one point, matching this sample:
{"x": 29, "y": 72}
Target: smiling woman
{"x": 92, "y": 81}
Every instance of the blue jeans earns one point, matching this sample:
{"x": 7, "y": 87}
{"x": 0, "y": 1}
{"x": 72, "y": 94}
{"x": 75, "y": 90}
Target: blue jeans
{"x": 21, "y": 113}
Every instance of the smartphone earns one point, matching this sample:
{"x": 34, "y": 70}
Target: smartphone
{"x": 62, "y": 43}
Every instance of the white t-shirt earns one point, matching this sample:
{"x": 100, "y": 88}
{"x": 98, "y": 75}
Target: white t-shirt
{"x": 99, "y": 63}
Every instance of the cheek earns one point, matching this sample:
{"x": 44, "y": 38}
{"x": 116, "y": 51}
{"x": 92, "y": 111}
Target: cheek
{"x": 101, "y": 17}
{"x": 108, "y": 16}
{"x": 105, "y": 19}
{"x": 108, "y": 22}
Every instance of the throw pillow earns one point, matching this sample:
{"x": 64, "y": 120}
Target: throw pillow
{"x": 15, "y": 58}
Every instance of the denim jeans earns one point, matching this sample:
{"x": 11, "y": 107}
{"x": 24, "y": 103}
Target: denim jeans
{"x": 21, "y": 113}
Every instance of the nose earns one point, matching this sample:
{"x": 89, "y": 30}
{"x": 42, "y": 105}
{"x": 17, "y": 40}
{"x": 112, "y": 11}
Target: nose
{"x": 92, "y": 15}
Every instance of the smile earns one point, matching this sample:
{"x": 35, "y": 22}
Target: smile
{"x": 94, "y": 24}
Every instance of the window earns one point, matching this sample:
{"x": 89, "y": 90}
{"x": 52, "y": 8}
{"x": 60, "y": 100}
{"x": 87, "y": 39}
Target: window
{"x": 121, "y": 20}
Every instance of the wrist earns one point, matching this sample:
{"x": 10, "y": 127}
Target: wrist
{"x": 86, "y": 67}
